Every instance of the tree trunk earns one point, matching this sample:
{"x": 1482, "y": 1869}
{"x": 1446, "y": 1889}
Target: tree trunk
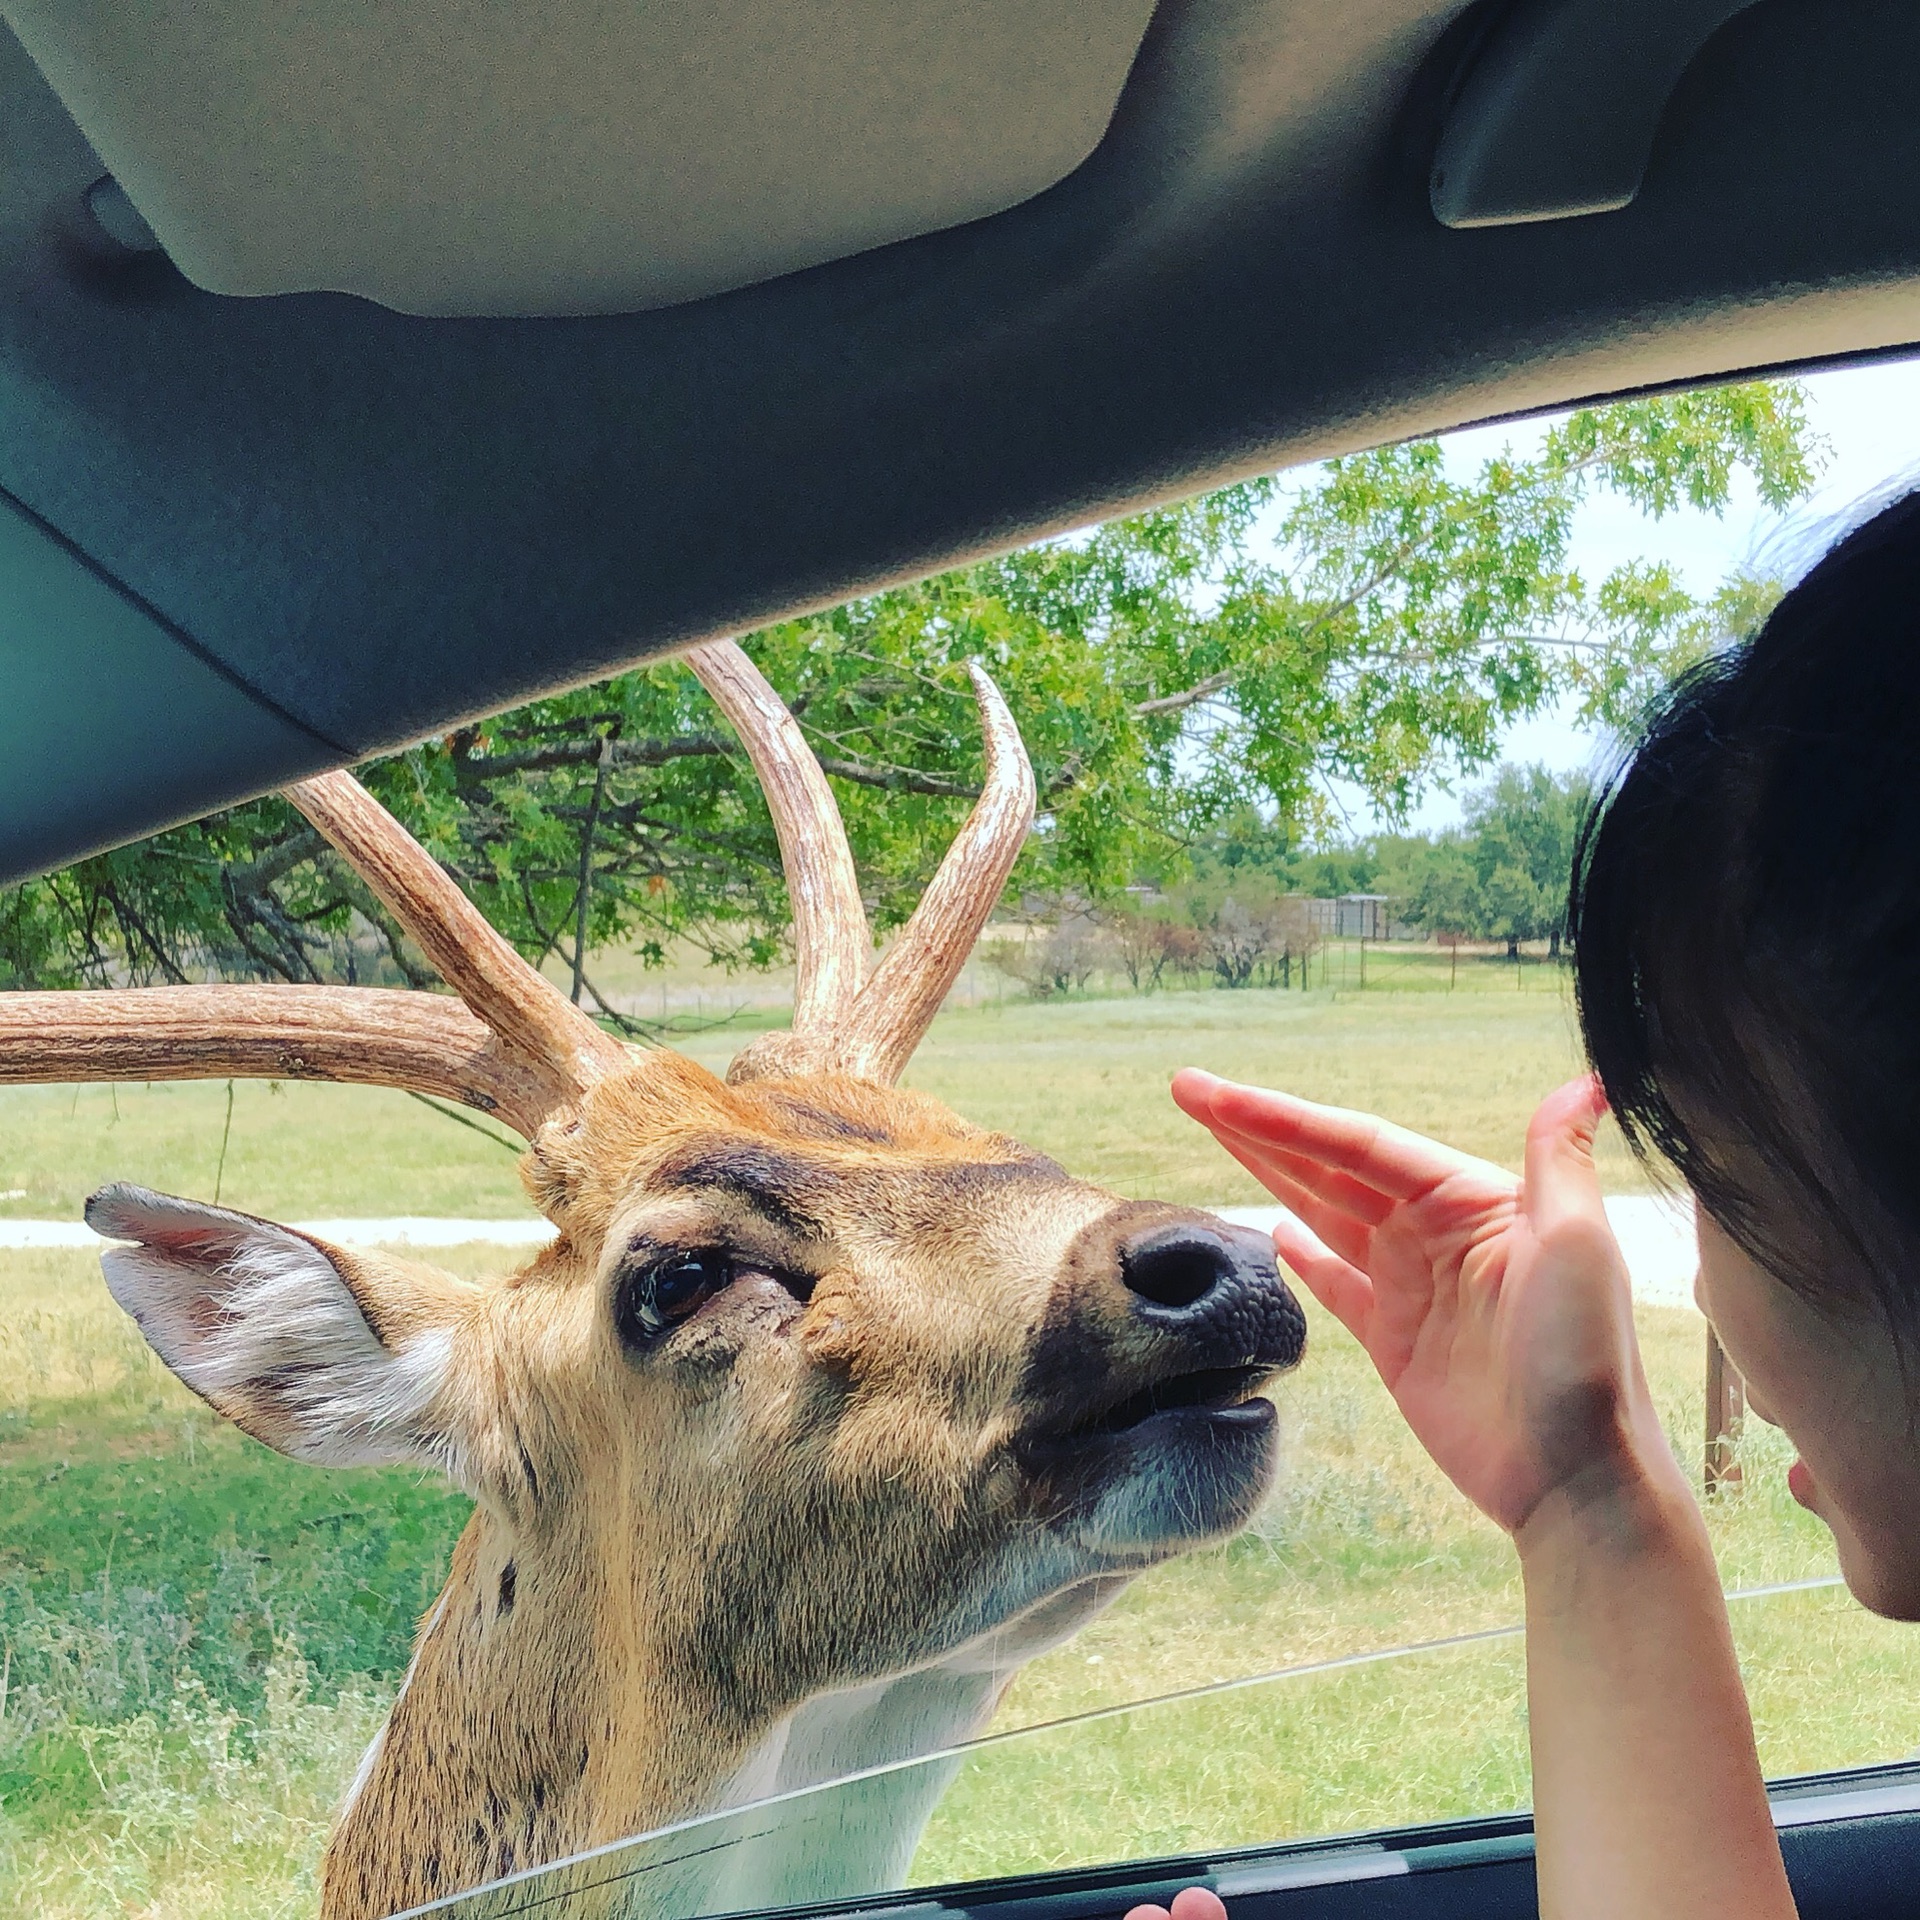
{"x": 1513, "y": 946}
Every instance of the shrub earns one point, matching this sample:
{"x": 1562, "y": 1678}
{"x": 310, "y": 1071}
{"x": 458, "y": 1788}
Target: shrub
{"x": 1145, "y": 942}
{"x": 1253, "y": 934}
{"x": 1052, "y": 959}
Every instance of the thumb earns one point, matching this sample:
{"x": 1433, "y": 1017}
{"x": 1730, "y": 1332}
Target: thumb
{"x": 1561, "y": 1184}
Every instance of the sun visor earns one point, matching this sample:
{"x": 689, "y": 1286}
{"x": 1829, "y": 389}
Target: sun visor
{"x": 107, "y": 707}
{"x": 461, "y": 157}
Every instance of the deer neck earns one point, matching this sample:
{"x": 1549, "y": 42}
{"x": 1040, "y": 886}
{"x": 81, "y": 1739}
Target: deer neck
{"x": 536, "y": 1719}
{"x": 534, "y": 1723}
{"x": 863, "y": 1839}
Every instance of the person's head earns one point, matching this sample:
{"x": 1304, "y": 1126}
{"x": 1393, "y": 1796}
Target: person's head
{"x": 1746, "y": 924}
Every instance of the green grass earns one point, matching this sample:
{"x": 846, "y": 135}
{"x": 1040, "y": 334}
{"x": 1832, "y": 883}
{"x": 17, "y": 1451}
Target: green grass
{"x": 297, "y": 1150}
{"x": 134, "y": 1512}
{"x": 1084, "y": 1080}
{"x": 165, "y": 1745}
{"x": 197, "y": 1637}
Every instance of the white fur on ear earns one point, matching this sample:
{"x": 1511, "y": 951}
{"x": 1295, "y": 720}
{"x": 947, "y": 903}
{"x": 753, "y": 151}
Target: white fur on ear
{"x": 260, "y": 1322}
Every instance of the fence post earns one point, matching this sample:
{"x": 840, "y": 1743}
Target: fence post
{"x": 1726, "y": 1406}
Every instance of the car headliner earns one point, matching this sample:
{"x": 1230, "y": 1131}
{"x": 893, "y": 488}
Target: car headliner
{"x": 242, "y": 539}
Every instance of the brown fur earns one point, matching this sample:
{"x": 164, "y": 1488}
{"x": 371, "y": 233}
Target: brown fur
{"x": 823, "y": 1479}
{"x": 823, "y": 1414}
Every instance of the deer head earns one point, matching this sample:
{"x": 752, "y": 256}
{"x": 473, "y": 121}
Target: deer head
{"x": 824, "y": 1411}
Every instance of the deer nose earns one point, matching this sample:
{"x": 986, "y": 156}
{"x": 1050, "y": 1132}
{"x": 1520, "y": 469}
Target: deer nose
{"x": 1218, "y": 1285}
{"x": 1176, "y": 1267}
{"x": 1181, "y": 1272}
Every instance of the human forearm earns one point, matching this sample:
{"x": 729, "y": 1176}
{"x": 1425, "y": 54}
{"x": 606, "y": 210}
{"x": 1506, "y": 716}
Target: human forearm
{"x": 1648, "y": 1800}
{"x": 1500, "y": 1317}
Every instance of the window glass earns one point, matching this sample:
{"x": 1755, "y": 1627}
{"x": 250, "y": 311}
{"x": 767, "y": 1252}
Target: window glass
{"x": 1400, "y": 1694}
{"x": 1364, "y": 1546}
{"x": 1395, "y": 1737}
{"x": 200, "y": 1637}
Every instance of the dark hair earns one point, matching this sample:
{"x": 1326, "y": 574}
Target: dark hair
{"x": 1746, "y": 923}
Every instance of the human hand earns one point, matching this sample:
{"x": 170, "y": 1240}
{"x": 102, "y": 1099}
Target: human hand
{"x": 1190, "y": 1903}
{"x": 1496, "y": 1310}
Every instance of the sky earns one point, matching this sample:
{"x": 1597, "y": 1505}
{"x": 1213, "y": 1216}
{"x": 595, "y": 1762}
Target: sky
{"x": 1870, "y": 419}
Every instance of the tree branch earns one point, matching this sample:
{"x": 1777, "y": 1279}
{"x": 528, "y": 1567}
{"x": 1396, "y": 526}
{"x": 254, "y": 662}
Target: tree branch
{"x": 583, "y": 893}
{"x": 698, "y": 746}
{"x": 1187, "y": 697}
{"x": 131, "y": 922}
{"x": 898, "y": 779}
{"x": 583, "y": 753}
{"x": 278, "y": 861}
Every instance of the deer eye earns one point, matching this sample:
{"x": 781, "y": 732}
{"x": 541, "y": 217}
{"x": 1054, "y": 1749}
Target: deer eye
{"x": 663, "y": 1292}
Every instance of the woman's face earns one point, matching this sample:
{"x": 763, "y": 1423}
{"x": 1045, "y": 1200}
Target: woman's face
{"x": 1836, "y": 1388}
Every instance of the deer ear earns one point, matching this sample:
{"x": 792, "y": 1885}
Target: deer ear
{"x": 284, "y": 1335}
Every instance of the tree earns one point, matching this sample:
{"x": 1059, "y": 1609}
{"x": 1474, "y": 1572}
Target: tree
{"x": 1376, "y": 620}
{"x": 1504, "y": 876}
{"x": 1059, "y": 955}
{"x": 1523, "y": 827}
{"x": 1511, "y": 908}
{"x": 1248, "y": 930}
{"x": 1441, "y": 889}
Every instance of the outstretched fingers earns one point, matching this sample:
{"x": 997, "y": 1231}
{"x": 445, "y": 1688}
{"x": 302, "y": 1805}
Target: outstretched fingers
{"x": 1344, "y": 1231}
{"x": 1394, "y": 1161}
{"x": 1343, "y": 1190}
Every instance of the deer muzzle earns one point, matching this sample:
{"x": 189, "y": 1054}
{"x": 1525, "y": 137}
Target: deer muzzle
{"x": 1152, "y": 1433}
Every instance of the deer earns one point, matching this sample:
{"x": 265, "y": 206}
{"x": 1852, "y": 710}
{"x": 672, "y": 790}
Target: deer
{"x": 823, "y": 1412}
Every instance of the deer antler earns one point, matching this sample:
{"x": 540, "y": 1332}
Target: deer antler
{"x": 896, "y": 1007}
{"x": 518, "y": 1048}
{"x": 533, "y": 1019}
{"x": 830, "y": 937}
{"x": 843, "y": 1021}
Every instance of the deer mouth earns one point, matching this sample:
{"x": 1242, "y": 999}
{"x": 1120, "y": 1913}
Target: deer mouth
{"x": 1150, "y": 1472}
{"x": 1224, "y": 1393}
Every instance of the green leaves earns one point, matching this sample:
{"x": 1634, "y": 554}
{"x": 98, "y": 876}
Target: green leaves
{"x": 1379, "y": 620}
{"x": 1506, "y": 877}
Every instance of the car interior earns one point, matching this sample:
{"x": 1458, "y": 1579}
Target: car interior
{"x": 363, "y": 371}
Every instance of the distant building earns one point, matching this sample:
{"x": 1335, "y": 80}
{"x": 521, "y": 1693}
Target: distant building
{"x": 1357, "y": 916}
{"x": 1361, "y": 916}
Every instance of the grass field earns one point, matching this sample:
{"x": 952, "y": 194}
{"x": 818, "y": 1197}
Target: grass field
{"x": 196, "y": 1637}
{"x": 1084, "y": 1080}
